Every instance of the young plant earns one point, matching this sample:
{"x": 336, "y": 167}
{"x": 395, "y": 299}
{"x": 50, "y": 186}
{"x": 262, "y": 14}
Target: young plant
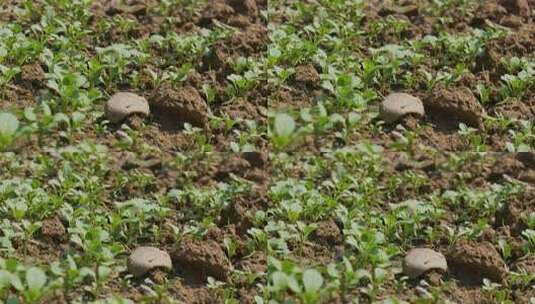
{"x": 9, "y": 125}
{"x": 283, "y": 130}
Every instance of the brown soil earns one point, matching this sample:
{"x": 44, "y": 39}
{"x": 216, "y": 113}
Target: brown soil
{"x": 516, "y": 109}
{"x": 519, "y": 7}
{"x": 33, "y": 74}
{"x": 196, "y": 260}
{"x": 240, "y": 109}
{"x": 526, "y": 265}
{"x": 307, "y": 75}
{"x": 172, "y": 108}
{"x": 515, "y": 212}
{"x": 527, "y": 158}
{"x": 450, "y": 107}
{"x": 241, "y": 213}
{"x": 53, "y": 228}
{"x": 195, "y": 295}
{"x": 17, "y": 96}
{"x": 471, "y": 262}
{"x": 240, "y": 166}
{"x": 256, "y": 263}
{"x": 327, "y": 233}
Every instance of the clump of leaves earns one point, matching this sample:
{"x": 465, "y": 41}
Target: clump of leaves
{"x": 9, "y": 125}
{"x": 283, "y": 130}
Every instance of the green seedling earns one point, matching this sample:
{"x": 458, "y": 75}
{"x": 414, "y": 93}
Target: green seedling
{"x": 9, "y": 125}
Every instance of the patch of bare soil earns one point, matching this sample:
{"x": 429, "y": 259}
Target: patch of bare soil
{"x": 307, "y": 75}
{"x": 33, "y": 76}
{"x": 515, "y": 212}
{"x": 527, "y": 158}
{"x": 17, "y": 96}
{"x": 246, "y": 168}
{"x": 515, "y": 109}
{"x": 327, "y": 233}
{"x": 252, "y": 166}
{"x": 241, "y": 212}
{"x": 53, "y": 228}
{"x": 172, "y": 108}
{"x": 471, "y": 262}
{"x": 449, "y": 107}
{"x": 256, "y": 263}
{"x": 194, "y": 294}
{"x": 196, "y": 260}
{"x": 526, "y": 265}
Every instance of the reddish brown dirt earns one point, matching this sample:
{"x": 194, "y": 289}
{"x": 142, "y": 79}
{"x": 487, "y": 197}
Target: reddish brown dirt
{"x": 196, "y": 260}
{"x": 16, "y": 96}
{"x": 515, "y": 212}
{"x": 172, "y": 108}
{"x": 327, "y": 233}
{"x": 453, "y": 106}
{"x": 516, "y": 109}
{"x": 471, "y": 262}
{"x": 526, "y": 265}
{"x": 33, "y": 74}
{"x": 53, "y": 228}
{"x": 239, "y": 166}
{"x": 256, "y": 263}
{"x": 307, "y": 75}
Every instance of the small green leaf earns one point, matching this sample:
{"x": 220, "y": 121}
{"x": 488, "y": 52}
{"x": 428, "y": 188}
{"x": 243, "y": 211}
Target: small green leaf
{"x": 12, "y": 300}
{"x": 29, "y": 114}
{"x": 9, "y": 123}
{"x": 36, "y": 278}
{"x": 280, "y": 281}
{"x": 284, "y": 125}
{"x": 5, "y": 279}
{"x": 16, "y": 283}
{"x": 312, "y": 280}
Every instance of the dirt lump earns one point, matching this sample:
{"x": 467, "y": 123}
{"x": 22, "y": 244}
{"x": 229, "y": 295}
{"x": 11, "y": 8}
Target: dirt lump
{"x": 197, "y": 260}
{"x": 451, "y": 106}
{"x": 174, "y": 107}
{"x": 472, "y": 262}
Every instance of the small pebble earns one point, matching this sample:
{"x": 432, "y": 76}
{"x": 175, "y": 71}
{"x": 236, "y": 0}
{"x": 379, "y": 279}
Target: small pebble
{"x": 396, "y": 105}
{"x": 124, "y": 104}
{"x": 122, "y": 134}
{"x": 144, "y": 259}
{"x": 422, "y": 292}
{"x": 418, "y": 261}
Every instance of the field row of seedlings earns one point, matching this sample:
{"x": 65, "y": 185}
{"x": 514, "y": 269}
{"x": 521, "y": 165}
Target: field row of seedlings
{"x": 467, "y": 68}
{"x": 254, "y": 151}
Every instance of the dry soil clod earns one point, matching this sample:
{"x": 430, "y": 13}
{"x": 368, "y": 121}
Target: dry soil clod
{"x": 123, "y": 104}
{"x": 396, "y": 105}
{"x": 173, "y": 108}
{"x": 520, "y": 7}
{"x": 418, "y": 261}
{"x": 473, "y": 262}
{"x": 197, "y": 260}
{"x": 144, "y": 259}
{"x": 454, "y": 106}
